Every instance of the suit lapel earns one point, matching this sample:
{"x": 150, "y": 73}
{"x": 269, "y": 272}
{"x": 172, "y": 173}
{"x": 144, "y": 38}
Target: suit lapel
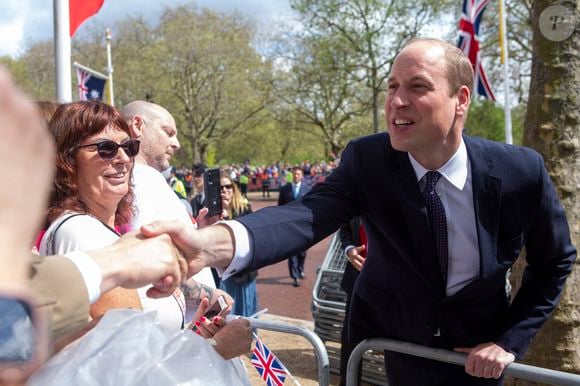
{"x": 486, "y": 202}
{"x": 415, "y": 215}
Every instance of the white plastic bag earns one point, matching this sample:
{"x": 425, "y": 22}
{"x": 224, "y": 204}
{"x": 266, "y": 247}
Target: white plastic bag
{"x": 128, "y": 348}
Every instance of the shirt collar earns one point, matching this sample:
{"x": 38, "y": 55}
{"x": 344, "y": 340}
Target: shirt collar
{"x": 454, "y": 170}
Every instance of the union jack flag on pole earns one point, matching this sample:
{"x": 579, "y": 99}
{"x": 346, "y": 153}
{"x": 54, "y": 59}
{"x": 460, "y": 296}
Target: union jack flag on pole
{"x": 91, "y": 84}
{"x": 471, "y": 14}
{"x": 272, "y": 371}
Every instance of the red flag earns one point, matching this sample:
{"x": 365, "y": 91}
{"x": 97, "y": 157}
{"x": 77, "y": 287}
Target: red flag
{"x": 81, "y": 10}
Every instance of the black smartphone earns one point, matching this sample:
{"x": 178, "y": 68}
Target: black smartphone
{"x": 211, "y": 186}
{"x": 217, "y": 308}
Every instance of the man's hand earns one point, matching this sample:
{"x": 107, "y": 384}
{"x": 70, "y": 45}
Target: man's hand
{"x": 487, "y": 360}
{"x": 134, "y": 261}
{"x": 234, "y": 339}
{"x": 354, "y": 256}
{"x": 208, "y": 247}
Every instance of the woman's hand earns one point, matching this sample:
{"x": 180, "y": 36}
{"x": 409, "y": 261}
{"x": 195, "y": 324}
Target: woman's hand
{"x": 206, "y": 327}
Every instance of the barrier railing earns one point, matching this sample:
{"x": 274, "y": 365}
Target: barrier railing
{"x": 315, "y": 341}
{"x": 516, "y": 370}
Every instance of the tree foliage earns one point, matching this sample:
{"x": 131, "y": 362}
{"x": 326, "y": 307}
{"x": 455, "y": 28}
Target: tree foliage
{"x": 315, "y": 95}
{"x": 373, "y": 31}
{"x": 217, "y": 81}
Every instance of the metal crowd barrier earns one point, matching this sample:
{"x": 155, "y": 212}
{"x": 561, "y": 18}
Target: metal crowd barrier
{"x": 328, "y": 308}
{"x": 516, "y": 370}
{"x": 315, "y": 341}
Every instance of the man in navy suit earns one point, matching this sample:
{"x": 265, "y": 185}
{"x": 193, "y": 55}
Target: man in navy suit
{"x": 288, "y": 193}
{"x": 446, "y": 216}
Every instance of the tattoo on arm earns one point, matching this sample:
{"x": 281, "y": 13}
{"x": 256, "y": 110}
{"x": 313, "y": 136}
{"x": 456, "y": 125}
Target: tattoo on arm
{"x": 194, "y": 291}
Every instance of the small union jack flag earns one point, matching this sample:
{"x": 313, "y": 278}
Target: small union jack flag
{"x": 471, "y": 14}
{"x": 269, "y": 367}
{"x": 91, "y": 86}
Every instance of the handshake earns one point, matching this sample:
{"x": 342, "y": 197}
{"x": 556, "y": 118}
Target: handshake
{"x": 163, "y": 253}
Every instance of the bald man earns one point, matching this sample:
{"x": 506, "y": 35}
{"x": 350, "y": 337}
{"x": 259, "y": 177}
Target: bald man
{"x": 154, "y": 199}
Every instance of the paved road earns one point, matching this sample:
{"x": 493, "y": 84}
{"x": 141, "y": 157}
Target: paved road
{"x": 275, "y": 290}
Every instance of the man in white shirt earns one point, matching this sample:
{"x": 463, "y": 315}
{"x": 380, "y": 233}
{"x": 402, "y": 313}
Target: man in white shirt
{"x": 154, "y": 198}
{"x": 446, "y": 217}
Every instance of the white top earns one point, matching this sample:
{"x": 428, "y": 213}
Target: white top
{"x": 456, "y": 193}
{"x": 84, "y": 233}
{"x": 155, "y": 200}
{"x": 65, "y": 242}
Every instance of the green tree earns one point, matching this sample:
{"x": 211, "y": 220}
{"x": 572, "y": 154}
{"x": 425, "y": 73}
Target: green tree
{"x": 316, "y": 95}
{"x": 374, "y": 30}
{"x": 218, "y": 83}
{"x": 486, "y": 120}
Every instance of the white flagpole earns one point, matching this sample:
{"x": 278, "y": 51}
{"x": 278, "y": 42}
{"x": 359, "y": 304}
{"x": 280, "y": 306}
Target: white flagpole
{"x": 110, "y": 68}
{"x": 506, "y": 72}
{"x": 95, "y": 73}
{"x": 62, "y": 51}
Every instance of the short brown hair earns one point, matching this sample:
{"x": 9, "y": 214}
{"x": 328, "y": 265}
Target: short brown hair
{"x": 459, "y": 70}
{"x": 70, "y": 125}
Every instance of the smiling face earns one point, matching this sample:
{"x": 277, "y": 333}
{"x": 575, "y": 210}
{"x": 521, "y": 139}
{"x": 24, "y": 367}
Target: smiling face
{"x": 423, "y": 116}
{"x": 103, "y": 182}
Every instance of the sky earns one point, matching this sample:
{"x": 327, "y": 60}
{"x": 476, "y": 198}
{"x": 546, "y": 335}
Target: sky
{"x": 25, "y": 21}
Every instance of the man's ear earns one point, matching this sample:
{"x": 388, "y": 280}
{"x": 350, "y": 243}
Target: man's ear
{"x": 463, "y": 101}
{"x": 136, "y": 126}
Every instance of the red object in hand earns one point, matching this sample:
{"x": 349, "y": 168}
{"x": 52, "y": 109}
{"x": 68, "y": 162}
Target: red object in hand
{"x": 362, "y": 236}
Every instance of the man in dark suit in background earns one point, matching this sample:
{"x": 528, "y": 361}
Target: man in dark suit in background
{"x": 288, "y": 193}
{"x": 446, "y": 216}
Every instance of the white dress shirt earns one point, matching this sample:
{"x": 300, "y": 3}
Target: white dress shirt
{"x": 456, "y": 193}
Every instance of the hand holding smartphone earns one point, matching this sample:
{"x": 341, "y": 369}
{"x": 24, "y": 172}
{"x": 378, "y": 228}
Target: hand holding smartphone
{"x": 216, "y": 309}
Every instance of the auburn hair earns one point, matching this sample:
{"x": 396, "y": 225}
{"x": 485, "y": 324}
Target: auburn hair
{"x": 70, "y": 124}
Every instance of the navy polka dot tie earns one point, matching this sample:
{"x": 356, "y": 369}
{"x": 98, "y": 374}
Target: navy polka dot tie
{"x": 437, "y": 220}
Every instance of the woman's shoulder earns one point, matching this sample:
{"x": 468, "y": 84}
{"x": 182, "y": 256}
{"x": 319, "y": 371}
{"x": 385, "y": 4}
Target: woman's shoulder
{"x": 76, "y": 231}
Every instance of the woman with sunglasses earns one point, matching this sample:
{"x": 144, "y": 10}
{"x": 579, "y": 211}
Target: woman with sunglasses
{"x": 241, "y": 287}
{"x": 92, "y": 188}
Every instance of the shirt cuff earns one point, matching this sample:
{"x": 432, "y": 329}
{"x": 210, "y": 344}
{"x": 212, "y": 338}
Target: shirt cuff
{"x": 242, "y": 252}
{"x": 90, "y": 271}
{"x": 346, "y": 249}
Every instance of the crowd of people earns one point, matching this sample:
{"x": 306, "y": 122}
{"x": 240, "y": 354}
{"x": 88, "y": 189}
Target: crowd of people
{"x": 444, "y": 215}
{"x": 264, "y": 178}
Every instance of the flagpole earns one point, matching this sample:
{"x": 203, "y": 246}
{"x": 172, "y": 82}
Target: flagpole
{"x": 110, "y": 67}
{"x": 87, "y": 69}
{"x": 506, "y": 74}
{"x": 62, "y": 51}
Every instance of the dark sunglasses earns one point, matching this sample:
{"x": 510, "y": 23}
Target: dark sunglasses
{"x": 228, "y": 186}
{"x": 108, "y": 149}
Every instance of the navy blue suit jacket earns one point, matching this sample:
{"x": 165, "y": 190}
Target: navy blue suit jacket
{"x": 286, "y": 194}
{"x": 515, "y": 206}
